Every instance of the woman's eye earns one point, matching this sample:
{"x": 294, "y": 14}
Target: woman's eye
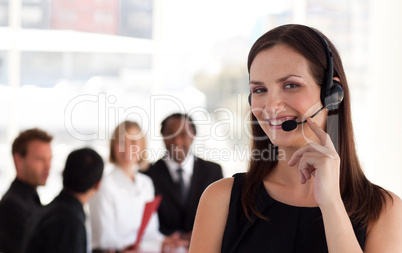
{"x": 290, "y": 85}
{"x": 259, "y": 90}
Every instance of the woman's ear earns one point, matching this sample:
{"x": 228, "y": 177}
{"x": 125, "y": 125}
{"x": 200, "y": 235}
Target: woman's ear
{"x": 337, "y": 79}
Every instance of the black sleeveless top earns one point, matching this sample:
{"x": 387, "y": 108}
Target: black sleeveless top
{"x": 289, "y": 229}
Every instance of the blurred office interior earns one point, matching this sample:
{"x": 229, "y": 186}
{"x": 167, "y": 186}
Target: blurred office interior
{"x": 77, "y": 68}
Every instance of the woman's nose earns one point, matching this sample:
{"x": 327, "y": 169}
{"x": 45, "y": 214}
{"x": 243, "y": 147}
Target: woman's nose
{"x": 274, "y": 103}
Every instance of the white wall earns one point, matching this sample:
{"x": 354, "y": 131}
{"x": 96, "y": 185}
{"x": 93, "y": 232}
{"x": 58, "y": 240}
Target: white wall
{"x": 385, "y": 101}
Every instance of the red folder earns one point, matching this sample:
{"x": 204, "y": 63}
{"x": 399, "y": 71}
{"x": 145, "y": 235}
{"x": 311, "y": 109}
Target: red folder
{"x": 150, "y": 208}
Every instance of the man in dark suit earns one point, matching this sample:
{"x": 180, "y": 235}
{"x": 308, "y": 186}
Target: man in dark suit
{"x": 32, "y": 156}
{"x": 180, "y": 176}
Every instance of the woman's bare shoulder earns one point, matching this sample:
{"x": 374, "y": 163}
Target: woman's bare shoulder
{"x": 222, "y": 184}
{"x": 219, "y": 190}
{"x": 393, "y": 207}
{"x": 386, "y": 231}
{"x": 395, "y": 199}
{"x": 211, "y": 217}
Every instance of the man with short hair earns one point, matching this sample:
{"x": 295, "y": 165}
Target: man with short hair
{"x": 32, "y": 156}
{"x": 60, "y": 226}
{"x": 180, "y": 176}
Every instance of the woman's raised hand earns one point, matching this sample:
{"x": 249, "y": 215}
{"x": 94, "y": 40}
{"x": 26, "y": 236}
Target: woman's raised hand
{"x": 321, "y": 161}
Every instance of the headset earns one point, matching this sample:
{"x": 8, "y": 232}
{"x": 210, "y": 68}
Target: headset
{"x": 331, "y": 91}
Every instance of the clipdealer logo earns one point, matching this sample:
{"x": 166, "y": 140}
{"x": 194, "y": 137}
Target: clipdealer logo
{"x": 103, "y": 111}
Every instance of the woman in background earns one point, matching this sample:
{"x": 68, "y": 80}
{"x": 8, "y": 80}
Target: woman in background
{"x": 116, "y": 211}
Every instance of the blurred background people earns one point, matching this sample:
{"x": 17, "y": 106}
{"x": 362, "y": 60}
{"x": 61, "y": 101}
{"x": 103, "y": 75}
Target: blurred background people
{"x": 60, "y": 226}
{"x": 32, "y": 156}
{"x": 116, "y": 212}
{"x": 180, "y": 176}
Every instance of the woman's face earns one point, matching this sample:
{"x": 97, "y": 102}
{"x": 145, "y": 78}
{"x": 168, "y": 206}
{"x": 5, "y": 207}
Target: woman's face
{"x": 128, "y": 147}
{"x": 283, "y": 89}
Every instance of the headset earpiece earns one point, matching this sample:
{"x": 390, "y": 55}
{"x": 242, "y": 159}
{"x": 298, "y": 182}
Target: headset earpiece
{"x": 335, "y": 96}
{"x": 331, "y": 90}
{"x": 249, "y": 99}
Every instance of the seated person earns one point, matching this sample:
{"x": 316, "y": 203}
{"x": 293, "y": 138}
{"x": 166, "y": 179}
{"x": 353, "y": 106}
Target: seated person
{"x": 180, "y": 176}
{"x": 32, "y": 154}
{"x": 60, "y": 226}
{"x": 116, "y": 212}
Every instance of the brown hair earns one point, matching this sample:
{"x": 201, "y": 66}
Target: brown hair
{"x": 120, "y": 131}
{"x": 20, "y": 143}
{"x": 362, "y": 199}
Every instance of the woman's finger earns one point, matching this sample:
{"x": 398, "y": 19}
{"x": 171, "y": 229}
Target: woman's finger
{"x": 298, "y": 154}
{"x": 321, "y": 134}
{"x": 310, "y": 147}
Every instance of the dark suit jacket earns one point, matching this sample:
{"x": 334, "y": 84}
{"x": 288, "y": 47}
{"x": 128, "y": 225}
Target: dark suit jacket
{"x": 58, "y": 227}
{"x": 16, "y": 206}
{"x": 173, "y": 214}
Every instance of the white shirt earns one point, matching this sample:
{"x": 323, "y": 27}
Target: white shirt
{"x": 116, "y": 212}
{"x": 187, "y": 165}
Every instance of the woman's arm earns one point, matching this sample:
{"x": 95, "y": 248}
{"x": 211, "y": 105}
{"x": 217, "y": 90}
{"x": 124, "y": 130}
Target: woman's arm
{"x": 338, "y": 229}
{"x": 385, "y": 234}
{"x": 211, "y": 217}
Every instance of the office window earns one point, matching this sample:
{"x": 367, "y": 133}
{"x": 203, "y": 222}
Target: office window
{"x": 31, "y": 16}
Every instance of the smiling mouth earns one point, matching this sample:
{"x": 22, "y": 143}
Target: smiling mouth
{"x": 278, "y": 122}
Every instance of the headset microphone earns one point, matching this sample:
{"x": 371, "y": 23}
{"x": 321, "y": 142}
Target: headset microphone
{"x": 331, "y": 102}
{"x": 290, "y": 125}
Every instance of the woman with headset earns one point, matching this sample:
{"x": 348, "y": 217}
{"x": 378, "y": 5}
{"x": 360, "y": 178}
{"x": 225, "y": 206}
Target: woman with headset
{"x": 313, "y": 196}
